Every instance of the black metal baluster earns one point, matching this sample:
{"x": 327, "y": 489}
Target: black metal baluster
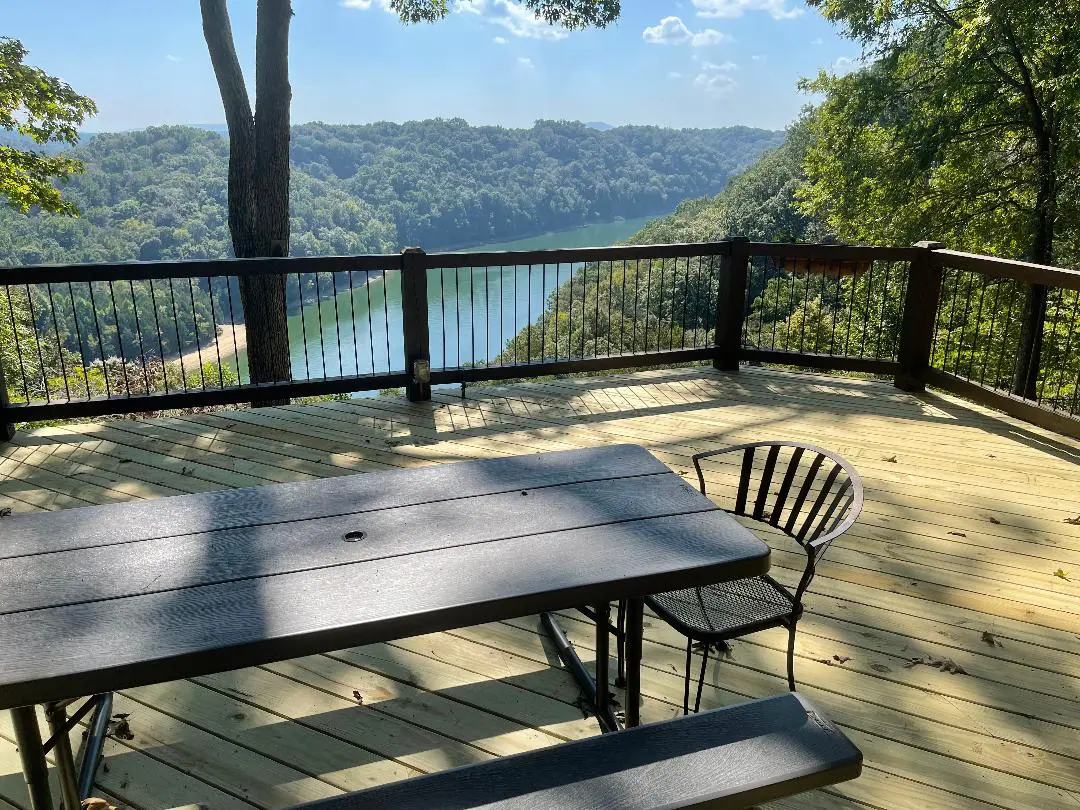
{"x": 198, "y": 337}
{"x": 214, "y": 330}
{"x": 119, "y": 339}
{"x": 543, "y": 320}
{"x": 101, "y": 344}
{"x": 457, "y": 312}
{"x": 487, "y": 317}
{"x": 637, "y": 295}
{"x": 303, "y": 325}
{"x": 836, "y": 307}
{"x": 884, "y": 305}
{"x": 59, "y": 342}
{"x": 558, "y": 270}
{"x": 161, "y": 340}
{"x": 622, "y": 312}
{"x": 78, "y": 336}
{"x": 176, "y": 328}
{"x": 648, "y": 307}
{"x": 502, "y": 313}
{"x": 37, "y": 341}
{"x": 952, "y": 319}
{"x": 18, "y": 348}
{"x": 319, "y": 321}
{"x": 386, "y": 314}
{"x": 978, "y": 323}
{"x": 660, "y": 306}
{"x": 352, "y": 318}
{"x": 528, "y": 322}
{"x": 866, "y": 309}
{"x": 963, "y": 321}
{"x": 472, "y": 316}
{"x": 990, "y": 335}
{"x": 1005, "y": 332}
{"x": 1071, "y": 326}
{"x": 138, "y": 332}
{"x": 596, "y": 311}
{"x": 850, "y": 316}
{"x": 337, "y": 325}
{"x": 610, "y": 295}
{"x": 1053, "y": 334}
{"x": 370, "y": 319}
{"x": 516, "y": 330}
{"x": 232, "y": 328}
{"x": 581, "y": 327}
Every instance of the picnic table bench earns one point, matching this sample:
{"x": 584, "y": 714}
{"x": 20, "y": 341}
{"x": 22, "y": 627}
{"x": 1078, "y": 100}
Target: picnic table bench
{"x": 111, "y": 597}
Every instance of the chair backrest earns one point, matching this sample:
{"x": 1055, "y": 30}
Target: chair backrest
{"x": 809, "y": 494}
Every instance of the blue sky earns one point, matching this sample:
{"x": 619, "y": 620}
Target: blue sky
{"x": 682, "y": 63}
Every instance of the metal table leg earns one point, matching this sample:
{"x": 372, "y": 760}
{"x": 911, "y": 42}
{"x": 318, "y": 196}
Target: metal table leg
{"x": 604, "y": 713}
{"x": 635, "y": 629}
{"x": 32, "y": 754}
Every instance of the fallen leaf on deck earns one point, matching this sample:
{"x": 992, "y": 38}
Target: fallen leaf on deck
{"x": 890, "y": 459}
{"x": 994, "y": 520}
{"x": 1073, "y": 521}
{"x": 958, "y": 534}
{"x": 5, "y": 512}
{"x": 943, "y": 664}
{"x": 1062, "y": 575}
{"x": 989, "y": 638}
{"x": 843, "y": 659}
{"x": 359, "y": 698}
{"x": 120, "y": 730}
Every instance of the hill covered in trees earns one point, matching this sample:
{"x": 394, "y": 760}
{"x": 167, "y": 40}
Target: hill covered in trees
{"x": 160, "y": 193}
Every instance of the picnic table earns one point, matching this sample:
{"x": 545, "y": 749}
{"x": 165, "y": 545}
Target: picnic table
{"x": 111, "y": 597}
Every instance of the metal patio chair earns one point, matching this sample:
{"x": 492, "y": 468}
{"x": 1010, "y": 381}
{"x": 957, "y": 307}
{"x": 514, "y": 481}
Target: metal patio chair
{"x": 807, "y": 493}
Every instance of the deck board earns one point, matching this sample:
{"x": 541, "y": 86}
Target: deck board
{"x": 964, "y": 526}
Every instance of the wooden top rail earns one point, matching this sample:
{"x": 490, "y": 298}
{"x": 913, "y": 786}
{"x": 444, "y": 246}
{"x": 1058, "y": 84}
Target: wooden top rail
{"x": 1010, "y": 268}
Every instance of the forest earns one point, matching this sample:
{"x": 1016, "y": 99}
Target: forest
{"x": 160, "y": 193}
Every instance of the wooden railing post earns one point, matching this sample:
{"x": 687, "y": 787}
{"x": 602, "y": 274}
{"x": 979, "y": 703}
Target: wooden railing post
{"x": 414, "y": 311}
{"x": 920, "y": 315}
{"x": 731, "y": 305}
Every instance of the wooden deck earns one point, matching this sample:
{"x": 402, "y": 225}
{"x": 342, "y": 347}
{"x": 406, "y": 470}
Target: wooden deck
{"x": 938, "y": 635}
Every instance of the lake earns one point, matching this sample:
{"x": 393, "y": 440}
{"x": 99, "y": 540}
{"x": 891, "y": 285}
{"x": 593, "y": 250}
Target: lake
{"x": 360, "y": 332}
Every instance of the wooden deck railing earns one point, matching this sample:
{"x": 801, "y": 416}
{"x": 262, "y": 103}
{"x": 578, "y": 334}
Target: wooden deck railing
{"x": 85, "y": 340}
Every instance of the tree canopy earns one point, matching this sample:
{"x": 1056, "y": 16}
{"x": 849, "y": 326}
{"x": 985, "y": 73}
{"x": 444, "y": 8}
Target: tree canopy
{"x": 964, "y": 126}
{"x": 44, "y": 110}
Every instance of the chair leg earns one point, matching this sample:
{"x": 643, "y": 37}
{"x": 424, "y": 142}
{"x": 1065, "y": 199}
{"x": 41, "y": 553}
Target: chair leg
{"x": 686, "y": 680}
{"x": 791, "y": 657}
{"x": 701, "y": 677}
{"x": 620, "y": 645}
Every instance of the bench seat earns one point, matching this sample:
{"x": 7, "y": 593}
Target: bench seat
{"x": 733, "y": 757}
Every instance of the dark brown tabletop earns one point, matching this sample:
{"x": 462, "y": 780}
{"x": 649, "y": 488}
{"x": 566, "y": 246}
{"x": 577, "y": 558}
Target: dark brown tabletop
{"x": 110, "y": 597}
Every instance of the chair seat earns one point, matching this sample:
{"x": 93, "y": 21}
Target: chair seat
{"x": 724, "y": 609}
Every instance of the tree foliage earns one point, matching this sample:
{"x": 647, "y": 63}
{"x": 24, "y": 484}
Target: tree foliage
{"x": 44, "y": 110}
{"x": 571, "y": 14}
{"x": 160, "y": 193}
{"x": 964, "y": 126}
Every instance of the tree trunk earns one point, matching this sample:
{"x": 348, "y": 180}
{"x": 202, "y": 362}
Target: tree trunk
{"x": 1029, "y": 355}
{"x": 258, "y": 175}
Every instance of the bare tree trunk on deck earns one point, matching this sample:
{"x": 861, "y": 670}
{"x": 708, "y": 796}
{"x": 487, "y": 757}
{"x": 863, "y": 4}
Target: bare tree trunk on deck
{"x": 258, "y": 174}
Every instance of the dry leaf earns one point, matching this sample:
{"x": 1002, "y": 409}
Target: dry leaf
{"x": 994, "y": 520}
{"x": 943, "y": 664}
{"x": 1062, "y": 575}
{"x": 1073, "y": 521}
{"x": 843, "y": 659}
{"x": 890, "y": 459}
{"x": 989, "y": 638}
{"x": 958, "y": 534}
{"x": 5, "y": 512}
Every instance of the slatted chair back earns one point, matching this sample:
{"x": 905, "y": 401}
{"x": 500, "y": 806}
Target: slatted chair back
{"x": 806, "y": 492}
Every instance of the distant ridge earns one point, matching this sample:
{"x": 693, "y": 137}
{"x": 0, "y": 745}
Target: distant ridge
{"x": 600, "y": 125}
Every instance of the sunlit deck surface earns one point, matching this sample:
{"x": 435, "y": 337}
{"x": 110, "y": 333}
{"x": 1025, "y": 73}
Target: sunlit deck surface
{"x": 938, "y": 634}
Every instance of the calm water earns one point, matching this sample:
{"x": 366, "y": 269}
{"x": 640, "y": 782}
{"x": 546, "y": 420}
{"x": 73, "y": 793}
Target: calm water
{"x": 349, "y": 335}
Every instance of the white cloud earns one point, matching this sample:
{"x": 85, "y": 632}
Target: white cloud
{"x": 758, "y": 57}
{"x": 714, "y": 79}
{"x": 172, "y": 58}
{"x": 817, "y": 41}
{"x": 844, "y": 64}
{"x": 525, "y": 61}
{"x": 673, "y": 31}
{"x": 674, "y": 75}
{"x": 778, "y": 9}
{"x": 499, "y": 40}
{"x": 707, "y": 37}
{"x": 715, "y": 84}
{"x": 670, "y": 31}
